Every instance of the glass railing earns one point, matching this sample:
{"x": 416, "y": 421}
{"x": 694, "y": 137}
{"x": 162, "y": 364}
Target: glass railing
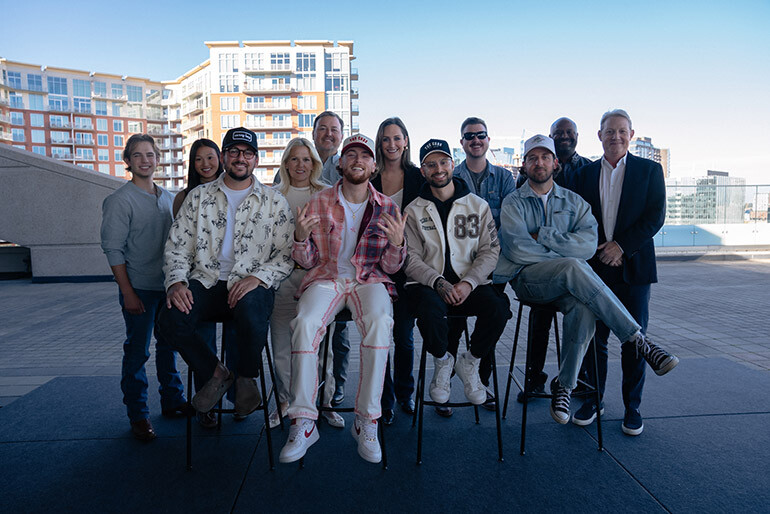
{"x": 716, "y": 215}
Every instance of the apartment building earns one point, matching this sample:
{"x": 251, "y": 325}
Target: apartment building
{"x": 643, "y": 147}
{"x": 81, "y": 117}
{"x": 275, "y": 88}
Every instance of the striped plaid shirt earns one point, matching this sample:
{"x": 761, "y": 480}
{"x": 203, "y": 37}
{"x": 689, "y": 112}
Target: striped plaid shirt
{"x": 374, "y": 257}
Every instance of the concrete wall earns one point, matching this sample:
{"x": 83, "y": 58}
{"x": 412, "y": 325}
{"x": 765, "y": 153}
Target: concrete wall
{"x": 54, "y": 209}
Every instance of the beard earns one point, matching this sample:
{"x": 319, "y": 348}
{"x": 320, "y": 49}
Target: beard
{"x": 240, "y": 178}
{"x": 438, "y": 184}
{"x": 539, "y": 179}
{"x": 356, "y": 179}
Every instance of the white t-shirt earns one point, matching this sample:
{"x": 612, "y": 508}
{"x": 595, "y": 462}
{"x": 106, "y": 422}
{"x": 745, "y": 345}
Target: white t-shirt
{"x": 398, "y": 197}
{"x": 354, "y": 214}
{"x": 544, "y": 199}
{"x": 226, "y": 255}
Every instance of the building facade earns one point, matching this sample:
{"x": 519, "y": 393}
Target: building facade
{"x": 715, "y": 198}
{"x": 643, "y": 147}
{"x": 275, "y": 88}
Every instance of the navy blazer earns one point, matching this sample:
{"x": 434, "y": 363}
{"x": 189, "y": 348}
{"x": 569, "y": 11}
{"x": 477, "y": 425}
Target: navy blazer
{"x": 641, "y": 213}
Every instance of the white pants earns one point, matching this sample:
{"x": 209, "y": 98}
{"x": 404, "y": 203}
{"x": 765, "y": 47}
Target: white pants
{"x": 372, "y": 312}
{"x": 284, "y": 311}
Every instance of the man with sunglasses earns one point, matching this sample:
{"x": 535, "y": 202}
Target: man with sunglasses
{"x": 227, "y": 250}
{"x": 493, "y": 184}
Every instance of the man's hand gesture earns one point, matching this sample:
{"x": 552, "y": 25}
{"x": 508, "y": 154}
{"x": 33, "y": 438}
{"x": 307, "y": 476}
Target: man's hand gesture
{"x": 304, "y": 224}
{"x": 394, "y": 227}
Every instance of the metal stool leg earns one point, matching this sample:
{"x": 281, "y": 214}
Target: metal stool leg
{"x": 497, "y": 410}
{"x": 513, "y": 359}
{"x": 527, "y": 385}
{"x": 421, "y": 406}
{"x": 598, "y": 395}
{"x": 265, "y": 400}
{"x": 273, "y": 387}
{"x": 189, "y": 414}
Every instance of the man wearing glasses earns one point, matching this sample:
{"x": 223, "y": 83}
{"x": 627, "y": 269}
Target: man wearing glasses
{"x": 453, "y": 249}
{"x": 493, "y": 184}
{"x": 227, "y": 250}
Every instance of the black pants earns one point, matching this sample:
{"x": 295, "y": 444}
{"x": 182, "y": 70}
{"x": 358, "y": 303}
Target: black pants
{"x": 490, "y": 307}
{"x": 250, "y": 316}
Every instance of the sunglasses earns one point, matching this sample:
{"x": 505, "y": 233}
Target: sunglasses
{"x": 481, "y": 136}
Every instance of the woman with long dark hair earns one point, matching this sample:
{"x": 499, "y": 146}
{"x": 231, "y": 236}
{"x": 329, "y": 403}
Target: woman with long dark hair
{"x": 205, "y": 166}
{"x": 398, "y": 178}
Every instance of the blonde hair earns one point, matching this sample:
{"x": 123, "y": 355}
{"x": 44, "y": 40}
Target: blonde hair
{"x": 315, "y": 175}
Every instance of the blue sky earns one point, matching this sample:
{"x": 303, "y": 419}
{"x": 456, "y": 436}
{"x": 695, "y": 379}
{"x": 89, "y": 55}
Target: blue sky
{"x": 695, "y": 76}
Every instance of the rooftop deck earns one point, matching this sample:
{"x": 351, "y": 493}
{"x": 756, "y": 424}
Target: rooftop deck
{"x": 65, "y": 443}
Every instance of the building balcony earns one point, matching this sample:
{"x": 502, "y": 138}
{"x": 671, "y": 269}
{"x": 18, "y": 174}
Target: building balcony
{"x": 63, "y": 156}
{"x": 85, "y": 142}
{"x": 53, "y": 108}
{"x": 84, "y": 126}
{"x": 195, "y": 93}
{"x": 6, "y": 136}
{"x": 4, "y": 118}
{"x": 251, "y": 89}
{"x": 269, "y": 125}
{"x": 193, "y": 124}
{"x": 60, "y": 125}
{"x": 268, "y": 162}
{"x": 353, "y": 73}
{"x": 269, "y": 68}
{"x": 273, "y": 143}
{"x": 68, "y": 141}
{"x": 85, "y": 158}
{"x": 353, "y": 92}
{"x": 267, "y": 106}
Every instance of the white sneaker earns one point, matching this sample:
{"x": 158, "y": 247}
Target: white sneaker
{"x": 334, "y": 419}
{"x": 302, "y": 435}
{"x": 442, "y": 373}
{"x": 467, "y": 368}
{"x": 365, "y": 432}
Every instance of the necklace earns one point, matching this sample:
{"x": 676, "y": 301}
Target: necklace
{"x": 353, "y": 212}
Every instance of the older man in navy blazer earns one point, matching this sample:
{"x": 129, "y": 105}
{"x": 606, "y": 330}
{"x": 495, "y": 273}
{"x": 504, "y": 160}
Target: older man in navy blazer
{"x": 627, "y": 195}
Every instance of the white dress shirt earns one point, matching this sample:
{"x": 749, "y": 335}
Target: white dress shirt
{"x": 610, "y": 187}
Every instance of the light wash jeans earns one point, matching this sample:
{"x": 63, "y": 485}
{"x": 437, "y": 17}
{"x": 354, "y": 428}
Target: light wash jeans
{"x": 583, "y": 298}
{"x": 372, "y": 311}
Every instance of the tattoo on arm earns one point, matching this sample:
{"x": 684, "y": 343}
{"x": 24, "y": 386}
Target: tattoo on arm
{"x": 443, "y": 288}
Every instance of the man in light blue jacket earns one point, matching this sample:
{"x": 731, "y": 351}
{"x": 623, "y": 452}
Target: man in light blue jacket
{"x": 546, "y": 235}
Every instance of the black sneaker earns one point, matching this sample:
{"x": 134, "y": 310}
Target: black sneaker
{"x": 560, "y": 403}
{"x": 538, "y": 389}
{"x": 586, "y": 414}
{"x": 632, "y": 422}
{"x": 489, "y": 403}
{"x": 339, "y": 395}
{"x": 659, "y": 359}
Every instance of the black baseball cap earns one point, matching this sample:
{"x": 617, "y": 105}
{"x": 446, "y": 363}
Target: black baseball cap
{"x": 434, "y": 145}
{"x": 240, "y": 135}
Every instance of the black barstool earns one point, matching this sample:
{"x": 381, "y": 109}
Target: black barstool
{"x": 219, "y": 410}
{"x": 420, "y": 400}
{"x": 343, "y": 316}
{"x": 588, "y": 389}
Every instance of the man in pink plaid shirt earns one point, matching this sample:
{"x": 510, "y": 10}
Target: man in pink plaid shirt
{"x": 350, "y": 237}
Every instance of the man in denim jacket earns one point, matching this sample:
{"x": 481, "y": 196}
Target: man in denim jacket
{"x": 547, "y": 234}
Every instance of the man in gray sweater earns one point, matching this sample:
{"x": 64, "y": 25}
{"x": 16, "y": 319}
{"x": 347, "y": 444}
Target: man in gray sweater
{"x": 135, "y": 222}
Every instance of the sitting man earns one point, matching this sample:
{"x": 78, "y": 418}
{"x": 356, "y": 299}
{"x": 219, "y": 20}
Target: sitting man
{"x": 546, "y": 234}
{"x": 453, "y": 249}
{"x": 228, "y": 248}
{"x": 350, "y": 237}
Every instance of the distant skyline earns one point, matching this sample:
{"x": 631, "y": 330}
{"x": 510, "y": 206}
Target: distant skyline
{"x": 693, "y": 75}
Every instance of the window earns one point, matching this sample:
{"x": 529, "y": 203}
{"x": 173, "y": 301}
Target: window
{"x": 280, "y": 61}
{"x": 81, "y": 88}
{"x": 255, "y": 120}
{"x": 228, "y": 83}
{"x": 305, "y": 61}
{"x": 118, "y": 140}
{"x": 60, "y": 153}
{"x": 306, "y": 81}
{"x": 307, "y": 103}
{"x": 102, "y": 140}
{"x": 337, "y": 83}
{"x": 100, "y": 89}
{"x": 134, "y": 93}
{"x": 84, "y": 153}
{"x": 255, "y": 102}
{"x": 282, "y": 120}
{"x": 17, "y": 134}
{"x": 17, "y": 101}
{"x": 104, "y": 154}
{"x": 83, "y": 123}
{"x": 82, "y": 105}
{"x": 117, "y": 91}
{"x": 57, "y": 120}
{"x": 36, "y": 102}
{"x": 254, "y": 61}
{"x": 17, "y": 118}
{"x": 100, "y": 107}
{"x": 83, "y": 138}
{"x": 59, "y": 137}
{"x": 280, "y": 83}
{"x": 229, "y": 103}
{"x": 57, "y": 85}
{"x": 34, "y": 82}
{"x": 117, "y": 125}
{"x": 281, "y": 136}
{"x": 334, "y": 61}
{"x": 36, "y": 119}
{"x": 119, "y": 170}
{"x": 14, "y": 79}
{"x": 38, "y": 136}
{"x": 40, "y": 150}
{"x": 118, "y": 156}
{"x": 58, "y": 103}
{"x": 229, "y": 121}
{"x": 116, "y": 109}
{"x": 228, "y": 63}
{"x": 135, "y": 127}
{"x": 87, "y": 165}
{"x": 306, "y": 120}
{"x": 101, "y": 124}
{"x": 104, "y": 168}
{"x": 282, "y": 102}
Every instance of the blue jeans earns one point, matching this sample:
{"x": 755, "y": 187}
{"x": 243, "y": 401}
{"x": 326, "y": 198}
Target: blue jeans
{"x": 583, "y": 298}
{"x": 136, "y": 351}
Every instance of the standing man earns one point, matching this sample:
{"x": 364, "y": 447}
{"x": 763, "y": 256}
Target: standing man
{"x": 135, "y": 224}
{"x": 453, "y": 249}
{"x": 547, "y": 234}
{"x": 627, "y": 195}
{"x": 565, "y": 137}
{"x": 227, "y": 251}
{"x": 349, "y": 237}
{"x": 493, "y": 184}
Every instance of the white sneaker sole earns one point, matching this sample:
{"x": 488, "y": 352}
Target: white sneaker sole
{"x": 586, "y": 422}
{"x": 298, "y": 454}
{"x": 632, "y": 431}
{"x": 668, "y": 366}
{"x": 557, "y": 418}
